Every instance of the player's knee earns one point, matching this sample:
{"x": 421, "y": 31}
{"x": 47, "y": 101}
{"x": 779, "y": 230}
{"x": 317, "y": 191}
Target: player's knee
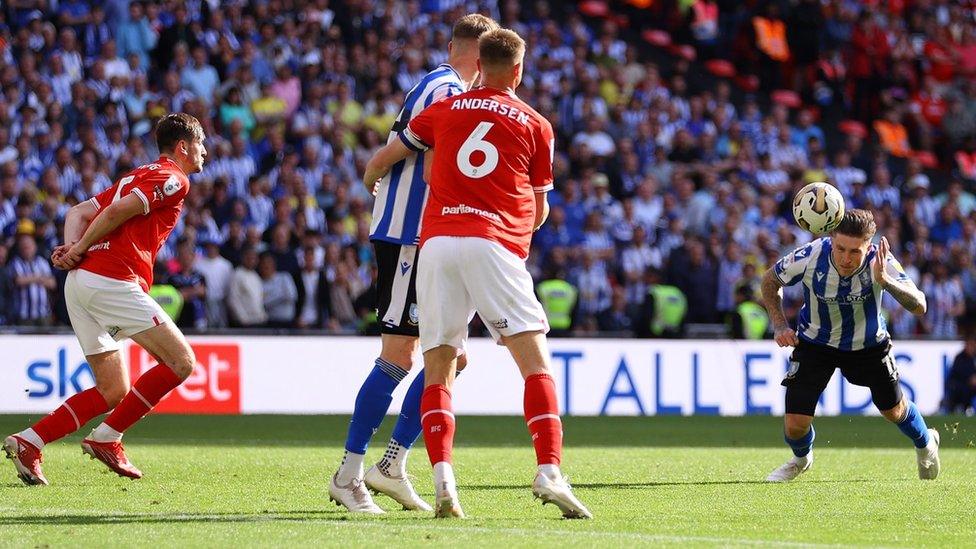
{"x": 113, "y": 393}
{"x": 888, "y": 399}
{"x": 462, "y": 361}
{"x": 797, "y": 426}
{"x": 399, "y": 351}
{"x": 183, "y": 365}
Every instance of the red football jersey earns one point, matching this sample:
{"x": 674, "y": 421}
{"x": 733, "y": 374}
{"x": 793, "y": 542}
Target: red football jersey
{"x": 129, "y": 252}
{"x": 492, "y": 153}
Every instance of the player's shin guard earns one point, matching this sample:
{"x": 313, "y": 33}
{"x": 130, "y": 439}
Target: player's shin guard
{"x": 802, "y": 446}
{"x": 70, "y": 416}
{"x": 913, "y": 425}
{"x": 542, "y": 418}
{"x": 147, "y": 391}
{"x": 372, "y": 402}
{"x": 437, "y": 419}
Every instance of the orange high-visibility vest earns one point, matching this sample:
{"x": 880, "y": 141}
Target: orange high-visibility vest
{"x": 771, "y": 38}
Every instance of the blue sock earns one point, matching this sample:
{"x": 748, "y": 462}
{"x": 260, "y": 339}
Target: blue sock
{"x": 914, "y": 427}
{"x": 372, "y": 402}
{"x": 802, "y": 446}
{"x": 407, "y": 428}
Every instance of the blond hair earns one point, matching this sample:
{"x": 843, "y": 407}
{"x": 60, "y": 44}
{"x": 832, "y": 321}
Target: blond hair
{"x": 472, "y": 26}
{"x": 501, "y": 48}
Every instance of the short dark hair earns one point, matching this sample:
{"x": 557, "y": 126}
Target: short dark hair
{"x": 857, "y": 223}
{"x": 501, "y": 48}
{"x": 472, "y": 26}
{"x": 176, "y": 127}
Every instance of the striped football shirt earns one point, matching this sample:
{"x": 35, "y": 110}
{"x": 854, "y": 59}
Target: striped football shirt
{"x": 839, "y": 312}
{"x": 402, "y": 193}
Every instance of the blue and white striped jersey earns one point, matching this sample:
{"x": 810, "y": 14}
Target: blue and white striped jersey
{"x": 840, "y": 312}
{"x": 402, "y": 193}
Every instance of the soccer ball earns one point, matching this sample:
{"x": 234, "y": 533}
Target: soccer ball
{"x": 818, "y": 208}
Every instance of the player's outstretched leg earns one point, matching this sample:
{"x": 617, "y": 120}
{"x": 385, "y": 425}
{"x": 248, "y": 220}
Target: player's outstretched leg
{"x": 24, "y": 448}
{"x": 531, "y": 354}
{"x": 906, "y": 415}
{"x": 389, "y": 475}
{"x": 372, "y": 402}
{"x": 802, "y": 445}
{"x": 171, "y": 349}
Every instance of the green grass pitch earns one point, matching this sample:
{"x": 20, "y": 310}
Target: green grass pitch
{"x": 659, "y": 481}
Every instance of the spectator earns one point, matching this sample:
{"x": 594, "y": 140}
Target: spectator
{"x": 32, "y": 281}
{"x": 663, "y": 310}
{"x": 135, "y": 36}
{"x": 960, "y": 389}
{"x": 945, "y": 302}
{"x": 245, "y": 296}
{"x": 192, "y": 286}
{"x": 217, "y": 273}
{"x": 313, "y": 292}
{"x": 279, "y": 293}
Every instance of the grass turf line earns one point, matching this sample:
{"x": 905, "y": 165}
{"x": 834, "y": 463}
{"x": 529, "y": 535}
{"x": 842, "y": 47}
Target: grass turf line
{"x": 688, "y": 481}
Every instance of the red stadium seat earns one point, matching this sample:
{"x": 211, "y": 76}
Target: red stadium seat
{"x": 926, "y": 159}
{"x": 594, "y": 8}
{"x": 684, "y": 51}
{"x": 788, "y": 98}
{"x": 853, "y": 127}
{"x": 720, "y": 68}
{"x": 748, "y": 83}
{"x": 657, "y": 38}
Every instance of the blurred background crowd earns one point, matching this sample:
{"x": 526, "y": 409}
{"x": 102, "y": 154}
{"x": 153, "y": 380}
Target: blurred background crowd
{"x": 683, "y": 130}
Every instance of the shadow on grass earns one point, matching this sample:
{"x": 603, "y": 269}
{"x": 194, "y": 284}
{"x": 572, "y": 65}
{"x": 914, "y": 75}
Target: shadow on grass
{"x": 509, "y": 431}
{"x": 652, "y": 484}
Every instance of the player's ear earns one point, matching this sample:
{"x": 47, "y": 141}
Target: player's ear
{"x": 450, "y": 46}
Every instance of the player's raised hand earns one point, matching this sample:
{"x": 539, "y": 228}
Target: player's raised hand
{"x": 785, "y": 336}
{"x": 879, "y": 261}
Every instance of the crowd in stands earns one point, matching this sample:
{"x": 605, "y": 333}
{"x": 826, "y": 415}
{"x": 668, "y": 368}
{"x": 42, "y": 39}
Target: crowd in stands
{"x": 665, "y": 174}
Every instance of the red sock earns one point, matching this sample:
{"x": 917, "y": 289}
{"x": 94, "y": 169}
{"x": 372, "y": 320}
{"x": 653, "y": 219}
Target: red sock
{"x": 148, "y": 390}
{"x": 437, "y": 419}
{"x": 70, "y": 416}
{"x": 542, "y": 418}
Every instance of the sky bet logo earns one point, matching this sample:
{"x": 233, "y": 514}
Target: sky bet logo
{"x": 48, "y": 378}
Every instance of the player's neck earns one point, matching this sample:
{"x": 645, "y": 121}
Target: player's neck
{"x": 502, "y": 84}
{"x": 174, "y": 160}
{"x": 466, "y": 68}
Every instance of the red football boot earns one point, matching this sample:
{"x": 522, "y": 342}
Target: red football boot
{"x": 111, "y": 454}
{"x": 27, "y": 459}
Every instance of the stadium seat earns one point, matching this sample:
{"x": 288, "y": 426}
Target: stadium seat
{"x": 748, "y": 83}
{"x": 853, "y": 127}
{"x": 658, "y": 38}
{"x": 594, "y": 8}
{"x": 926, "y": 158}
{"x": 787, "y": 98}
{"x": 684, "y": 51}
{"x": 721, "y": 68}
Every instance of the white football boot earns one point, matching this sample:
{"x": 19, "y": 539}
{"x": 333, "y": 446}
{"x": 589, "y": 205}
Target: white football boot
{"x": 398, "y": 488}
{"x": 353, "y": 496}
{"x": 558, "y": 492}
{"x": 793, "y": 468}
{"x": 928, "y": 457}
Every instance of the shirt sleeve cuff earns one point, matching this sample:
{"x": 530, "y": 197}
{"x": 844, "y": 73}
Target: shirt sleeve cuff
{"x": 145, "y": 201}
{"x": 95, "y": 203}
{"x": 543, "y": 189}
{"x": 412, "y": 142}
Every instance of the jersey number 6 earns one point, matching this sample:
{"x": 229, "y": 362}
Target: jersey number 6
{"x": 476, "y": 142}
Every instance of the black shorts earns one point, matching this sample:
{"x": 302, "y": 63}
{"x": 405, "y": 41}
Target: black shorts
{"x": 812, "y": 366}
{"x": 396, "y": 288}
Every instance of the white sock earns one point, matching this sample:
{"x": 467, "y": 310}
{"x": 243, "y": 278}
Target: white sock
{"x": 351, "y": 468}
{"x": 394, "y": 461}
{"x": 444, "y": 479}
{"x": 31, "y": 436}
{"x": 551, "y": 471}
{"x": 104, "y": 433}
